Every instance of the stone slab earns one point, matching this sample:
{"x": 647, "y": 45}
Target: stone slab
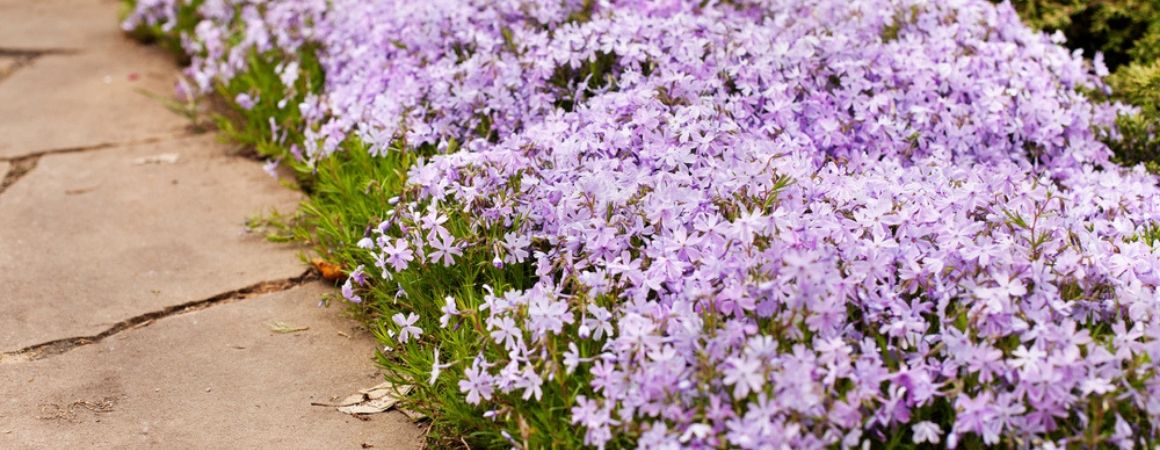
{"x": 95, "y": 97}
{"x": 92, "y": 238}
{"x": 215, "y": 378}
{"x": 57, "y": 24}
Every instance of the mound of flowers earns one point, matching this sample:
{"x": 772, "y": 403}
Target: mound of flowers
{"x": 707, "y": 224}
{"x": 1127, "y": 34}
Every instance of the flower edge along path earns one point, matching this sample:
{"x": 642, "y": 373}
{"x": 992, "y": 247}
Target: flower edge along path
{"x": 692, "y": 224}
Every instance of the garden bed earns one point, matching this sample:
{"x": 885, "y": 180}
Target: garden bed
{"x": 745, "y": 224}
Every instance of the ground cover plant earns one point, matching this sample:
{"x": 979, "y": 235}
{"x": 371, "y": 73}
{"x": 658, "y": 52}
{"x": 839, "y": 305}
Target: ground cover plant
{"x": 1126, "y": 34}
{"x": 702, "y": 224}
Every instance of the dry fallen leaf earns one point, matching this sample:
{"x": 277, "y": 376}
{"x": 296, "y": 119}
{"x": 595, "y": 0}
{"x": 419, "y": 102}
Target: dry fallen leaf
{"x": 329, "y": 271}
{"x": 374, "y": 400}
{"x": 415, "y": 416}
{"x": 282, "y": 327}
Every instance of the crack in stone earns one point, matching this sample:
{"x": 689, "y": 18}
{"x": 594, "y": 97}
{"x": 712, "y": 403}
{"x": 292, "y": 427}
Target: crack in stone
{"x": 34, "y": 53}
{"x": 60, "y": 346}
{"x": 20, "y": 167}
{"x": 25, "y": 58}
{"x": 20, "y": 63}
{"x": 102, "y": 146}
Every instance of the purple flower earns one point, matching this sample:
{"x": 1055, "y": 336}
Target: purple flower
{"x": 359, "y": 275}
{"x": 752, "y": 207}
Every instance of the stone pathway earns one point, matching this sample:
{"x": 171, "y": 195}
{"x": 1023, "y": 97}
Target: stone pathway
{"x": 137, "y": 312}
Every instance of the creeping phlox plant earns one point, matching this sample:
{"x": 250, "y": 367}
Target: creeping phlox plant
{"x": 706, "y": 224}
{"x": 1127, "y": 32}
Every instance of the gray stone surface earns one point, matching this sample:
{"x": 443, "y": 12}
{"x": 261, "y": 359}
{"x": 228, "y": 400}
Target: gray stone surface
{"x": 92, "y": 238}
{"x": 56, "y": 24}
{"x": 93, "y": 97}
{"x": 126, "y": 214}
{"x": 215, "y": 378}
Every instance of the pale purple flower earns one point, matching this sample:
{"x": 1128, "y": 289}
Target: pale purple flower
{"x": 348, "y": 292}
{"x": 476, "y": 383}
{"x": 449, "y": 310}
{"x": 359, "y": 275}
{"x": 407, "y": 328}
{"x": 445, "y": 247}
{"x": 399, "y": 254}
{"x": 245, "y": 101}
{"x": 436, "y": 368}
{"x": 745, "y": 375}
{"x": 1096, "y": 385}
{"x": 547, "y": 315}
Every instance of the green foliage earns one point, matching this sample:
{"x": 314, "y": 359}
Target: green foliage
{"x": 352, "y": 194}
{"x": 187, "y": 19}
{"x": 1138, "y": 84}
{"x": 1124, "y": 30}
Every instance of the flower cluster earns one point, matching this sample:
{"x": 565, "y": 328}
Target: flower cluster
{"x": 753, "y": 224}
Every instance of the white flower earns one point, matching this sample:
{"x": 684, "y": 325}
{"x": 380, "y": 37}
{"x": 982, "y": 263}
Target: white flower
{"x": 926, "y": 431}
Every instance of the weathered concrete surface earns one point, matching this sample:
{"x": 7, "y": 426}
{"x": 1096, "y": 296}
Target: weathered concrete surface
{"x": 89, "y": 239}
{"x": 215, "y": 378}
{"x": 93, "y": 97}
{"x": 56, "y": 24}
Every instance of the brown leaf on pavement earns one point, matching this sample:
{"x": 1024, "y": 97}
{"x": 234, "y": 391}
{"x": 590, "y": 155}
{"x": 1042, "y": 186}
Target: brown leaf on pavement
{"x": 329, "y": 271}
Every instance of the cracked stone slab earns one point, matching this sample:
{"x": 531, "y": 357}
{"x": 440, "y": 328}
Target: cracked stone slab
{"x": 56, "y": 24}
{"x": 215, "y": 378}
{"x": 92, "y": 238}
{"x": 95, "y": 97}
